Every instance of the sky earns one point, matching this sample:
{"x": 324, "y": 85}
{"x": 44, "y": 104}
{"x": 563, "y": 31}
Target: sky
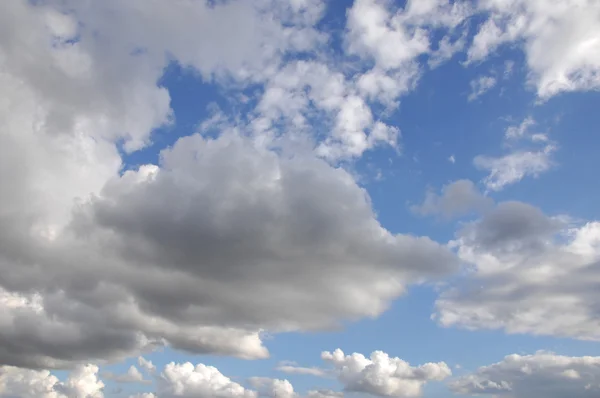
{"x": 299, "y": 198}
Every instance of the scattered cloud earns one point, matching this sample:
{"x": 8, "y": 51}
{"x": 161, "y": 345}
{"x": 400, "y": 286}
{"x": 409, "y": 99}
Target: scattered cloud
{"x": 188, "y": 381}
{"x": 480, "y": 86}
{"x": 530, "y": 155}
{"x": 531, "y": 274}
{"x": 512, "y": 168}
{"x": 561, "y": 41}
{"x": 543, "y": 374}
{"x": 82, "y": 382}
{"x": 382, "y": 375}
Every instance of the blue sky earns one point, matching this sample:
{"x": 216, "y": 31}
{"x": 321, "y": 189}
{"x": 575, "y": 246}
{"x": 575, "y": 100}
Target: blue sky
{"x": 250, "y": 186}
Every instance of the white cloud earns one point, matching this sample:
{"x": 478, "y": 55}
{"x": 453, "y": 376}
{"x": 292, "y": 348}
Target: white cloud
{"x": 531, "y": 274}
{"x": 147, "y": 365}
{"x": 515, "y": 166}
{"x": 384, "y": 376}
{"x": 480, "y": 86}
{"x": 543, "y": 374}
{"x": 457, "y": 199}
{"x": 561, "y": 41}
{"x": 189, "y": 381}
{"x": 273, "y": 388}
{"x": 530, "y": 155}
{"x": 25, "y": 383}
{"x": 293, "y": 368}
{"x": 520, "y": 131}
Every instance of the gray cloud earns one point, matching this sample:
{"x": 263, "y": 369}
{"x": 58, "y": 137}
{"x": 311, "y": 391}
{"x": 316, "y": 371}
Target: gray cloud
{"x": 531, "y": 274}
{"x": 457, "y": 199}
{"x": 219, "y": 242}
{"x": 543, "y": 374}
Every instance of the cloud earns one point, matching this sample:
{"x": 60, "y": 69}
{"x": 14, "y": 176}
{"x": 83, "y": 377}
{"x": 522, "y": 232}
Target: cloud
{"x": 189, "y": 381}
{"x": 324, "y": 394}
{"x": 480, "y": 86}
{"x": 561, "y": 41}
{"x": 98, "y": 263}
{"x": 515, "y": 166}
{"x": 543, "y": 374}
{"x": 184, "y": 298}
{"x": 292, "y": 368}
{"x": 457, "y": 199}
{"x": 25, "y": 383}
{"x": 531, "y": 274}
{"x": 133, "y": 375}
{"x": 147, "y": 365}
{"x": 530, "y": 154}
{"x": 381, "y": 375}
{"x": 273, "y": 388}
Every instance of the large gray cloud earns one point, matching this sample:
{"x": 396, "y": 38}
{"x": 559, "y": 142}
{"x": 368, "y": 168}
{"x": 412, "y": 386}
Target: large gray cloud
{"x": 543, "y": 374}
{"x": 220, "y": 241}
{"x": 531, "y": 274}
{"x": 222, "y": 235}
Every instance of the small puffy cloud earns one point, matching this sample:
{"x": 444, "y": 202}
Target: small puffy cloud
{"x": 456, "y": 199}
{"x": 480, "y": 86}
{"x": 133, "y": 375}
{"x": 515, "y": 166}
{"x": 383, "y": 376}
{"x": 82, "y": 382}
{"x": 273, "y": 388}
{"x": 561, "y": 41}
{"x": 543, "y": 374}
{"x": 530, "y": 273}
{"x": 144, "y": 395}
{"x": 189, "y": 381}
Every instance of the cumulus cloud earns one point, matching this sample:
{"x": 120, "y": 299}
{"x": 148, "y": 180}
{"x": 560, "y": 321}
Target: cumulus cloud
{"x": 456, "y": 199}
{"x": 531, "y": 273}
{"x": 222, "y": 239}
{"x": 202, "y": 381}
{"x": 383, "y": 376}
{"x": 25, "y": 383}
{"x": 561, "y": 41}
{"x": 189, "y": 381}
{"x": 480, "y": 86}
{"x": 273, "y": 388}
{"x": 543, "y": 374}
